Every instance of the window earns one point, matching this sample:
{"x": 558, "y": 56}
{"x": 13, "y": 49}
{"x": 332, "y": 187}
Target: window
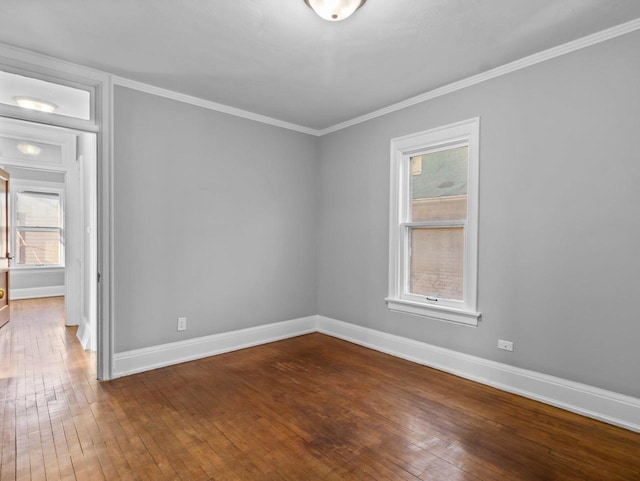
{"x": 434, "y": 223}
{"x": 37, "y": 232}
{"x": 50, "y": 97}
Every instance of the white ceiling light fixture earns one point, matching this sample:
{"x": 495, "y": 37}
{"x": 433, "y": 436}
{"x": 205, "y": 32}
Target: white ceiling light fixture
{"x": 29, "y": 149}
{"x": 35, "y": 104}
{"x": 335, "y": 10}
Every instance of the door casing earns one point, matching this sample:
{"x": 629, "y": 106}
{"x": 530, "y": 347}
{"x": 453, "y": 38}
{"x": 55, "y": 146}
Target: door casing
{"x": 36, "y": 65}
{"x": 5, "y": 255}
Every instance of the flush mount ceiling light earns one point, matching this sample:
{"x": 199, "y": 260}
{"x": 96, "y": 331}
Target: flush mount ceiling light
{"x": 35, "y": 104}
{"x": 29, "y": 149}
{"x": 334, "y": 10}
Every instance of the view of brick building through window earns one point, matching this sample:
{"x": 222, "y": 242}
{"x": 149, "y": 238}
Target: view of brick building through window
{"x": 439, "y": 199}
{"x": 38, "y": 228}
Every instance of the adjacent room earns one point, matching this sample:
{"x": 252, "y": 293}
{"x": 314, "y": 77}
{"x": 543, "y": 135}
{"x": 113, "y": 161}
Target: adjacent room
{"x": 320, "y": 240}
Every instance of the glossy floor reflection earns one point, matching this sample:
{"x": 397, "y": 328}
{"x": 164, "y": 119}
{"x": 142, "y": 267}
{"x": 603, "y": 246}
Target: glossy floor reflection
{"x": 309, "y": 408}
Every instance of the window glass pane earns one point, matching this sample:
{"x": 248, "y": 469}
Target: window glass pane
{"x": 27, "y": 150}
{"x": 436, "y": 262}
{"x": 439, "y": 185}
{"x": 37, "y": 248}
{"x": 37, "y": 209}
{"x": 45, "y": 96}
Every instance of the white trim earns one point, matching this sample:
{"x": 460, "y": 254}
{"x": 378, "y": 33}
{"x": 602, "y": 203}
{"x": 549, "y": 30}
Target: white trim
{"x": 399, "y": 298}
{"x": 145, "y": 359}
{"x": 49, "y": 63}
{"x": 35, "y": 292}
{"x": 44, "y": 185}
{"x": 207, "y": 104}
{"x": 51, "y": 69}
{"x": 607, "y": 406}
{"x": 534, "y": 59}
{"x": 596, "y": 403}
{"x": 439, "y": 313}
{"x": 84, "y": 334}
{"x": 105, "y": 216}
{"x": 505, "y": 69}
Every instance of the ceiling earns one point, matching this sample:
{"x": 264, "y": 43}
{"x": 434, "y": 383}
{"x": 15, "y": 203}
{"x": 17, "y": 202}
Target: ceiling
{"x": 277, "y": 58}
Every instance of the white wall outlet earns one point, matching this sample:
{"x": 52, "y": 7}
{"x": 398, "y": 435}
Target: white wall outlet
{"x": 506, "y": 345}
{"x": 182, "y": 324}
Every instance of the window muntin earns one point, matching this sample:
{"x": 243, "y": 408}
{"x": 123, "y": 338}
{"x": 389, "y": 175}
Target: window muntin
{"x": 433, "y": 228}
{"x": 38, "y": 228}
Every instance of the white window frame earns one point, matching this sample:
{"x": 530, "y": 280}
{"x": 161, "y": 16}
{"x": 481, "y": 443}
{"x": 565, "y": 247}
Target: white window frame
{"x": 465, "y": 133}
{"x": 19, "y": 185}
{"x": 52, "y": 118}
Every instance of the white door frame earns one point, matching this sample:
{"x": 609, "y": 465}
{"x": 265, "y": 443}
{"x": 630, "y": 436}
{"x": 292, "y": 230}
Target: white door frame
{"x": 35, "y": 65}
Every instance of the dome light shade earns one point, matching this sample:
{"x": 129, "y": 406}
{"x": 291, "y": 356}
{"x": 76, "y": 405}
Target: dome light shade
{"x": 334, "y": 10}
{"x": 35, "y": 104}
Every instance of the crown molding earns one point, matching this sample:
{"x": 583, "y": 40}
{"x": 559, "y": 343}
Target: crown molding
{"x": 505, "y": 69}
{"x": 207, "y": 104}
{"x": 18, "y": 57}
{"x": 514, "y": 66}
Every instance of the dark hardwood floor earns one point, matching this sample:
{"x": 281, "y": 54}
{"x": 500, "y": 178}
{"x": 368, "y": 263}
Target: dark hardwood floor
{"x": 309, "y": 408}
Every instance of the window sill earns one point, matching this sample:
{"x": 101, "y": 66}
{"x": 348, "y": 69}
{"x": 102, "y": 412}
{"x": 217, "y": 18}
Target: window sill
{"x": 439, "y": 313}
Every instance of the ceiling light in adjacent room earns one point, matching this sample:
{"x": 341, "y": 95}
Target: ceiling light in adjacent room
{"x": 334, "y": 10}
{"x": 29, "y": 149}
{"x": 35, "y": 104}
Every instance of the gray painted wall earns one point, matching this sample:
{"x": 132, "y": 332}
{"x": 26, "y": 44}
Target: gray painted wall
{"x": 33, "y": 278}
{"x": 215, "y": 219}
{"x": 559, "y": 224}
{"x": 236, "y": 224}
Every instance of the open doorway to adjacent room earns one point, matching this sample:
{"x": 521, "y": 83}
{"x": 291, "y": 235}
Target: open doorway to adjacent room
{"x": 53, "y": 203}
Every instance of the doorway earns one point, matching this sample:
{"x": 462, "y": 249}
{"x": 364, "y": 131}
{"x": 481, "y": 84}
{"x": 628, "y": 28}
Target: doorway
{"x": 53, "y": 199}
{"x": 65, "y": 84}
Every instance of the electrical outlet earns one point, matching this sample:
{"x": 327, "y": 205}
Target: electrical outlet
{"x": 506, "y": 345}
{"x": 182, "y": 324}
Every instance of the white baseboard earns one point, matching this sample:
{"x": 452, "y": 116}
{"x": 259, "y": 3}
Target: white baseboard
{"x": 84, "y": 334}
{"x": 607, "y": 406}
{"x": 35, "y": 292}
{"x": 145, "y": 359}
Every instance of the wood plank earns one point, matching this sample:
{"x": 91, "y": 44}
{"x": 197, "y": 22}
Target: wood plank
{"x": 308, "y": 408}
